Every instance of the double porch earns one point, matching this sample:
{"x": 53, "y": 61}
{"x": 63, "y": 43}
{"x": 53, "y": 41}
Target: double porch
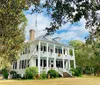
{"x": 54, "y": 62}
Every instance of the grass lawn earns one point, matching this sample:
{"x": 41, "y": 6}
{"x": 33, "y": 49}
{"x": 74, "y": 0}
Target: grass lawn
{"x": 59, "y": 81}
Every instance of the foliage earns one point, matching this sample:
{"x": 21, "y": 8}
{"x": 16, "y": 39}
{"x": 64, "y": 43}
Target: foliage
{"x": 63, "y": 11}
{"x": 15, "y": 75}
{"x": 53, "y": 73}
{"x": 76, "y": 72}
{"x": 12, "y": 25}
{"x": 31, "y": 72}
{"x": 43, "y": 75}
{"x": 5, "y": 73}
{"x": 87, "y": 55}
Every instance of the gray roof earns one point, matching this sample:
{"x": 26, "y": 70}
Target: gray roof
{"x": 45, "y": 38}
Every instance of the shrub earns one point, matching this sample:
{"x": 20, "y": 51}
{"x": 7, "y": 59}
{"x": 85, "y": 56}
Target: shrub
{"x": 5, "y": 73}
{"x": 15, "y": 75}
{"x": 43, "y": 75}
{"x": 31, "y": 72}
{"x": 53, "y": 73}
{"x": 76, "y": 72}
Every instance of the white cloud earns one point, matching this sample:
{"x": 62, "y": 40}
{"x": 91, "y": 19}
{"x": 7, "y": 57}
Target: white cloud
{"x": 42, "y": 23}
{"x": 76, "y": 31}
{"x": 71, "y": 31}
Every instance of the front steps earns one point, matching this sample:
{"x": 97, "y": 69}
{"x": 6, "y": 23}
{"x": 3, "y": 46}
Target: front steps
{"x": 66, "y": 74}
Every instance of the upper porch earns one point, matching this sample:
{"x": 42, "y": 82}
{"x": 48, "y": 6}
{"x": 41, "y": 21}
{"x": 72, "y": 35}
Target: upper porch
{"x": 52, "y": 50}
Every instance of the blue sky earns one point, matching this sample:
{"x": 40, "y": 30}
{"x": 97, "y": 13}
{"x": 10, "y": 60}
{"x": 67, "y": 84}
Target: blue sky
{"x": 67, "y": 32}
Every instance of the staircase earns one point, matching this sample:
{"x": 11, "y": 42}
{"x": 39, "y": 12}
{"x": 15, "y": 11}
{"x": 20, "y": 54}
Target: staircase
{"x": 33, "y": 52}
{"x": 65, "y": 73}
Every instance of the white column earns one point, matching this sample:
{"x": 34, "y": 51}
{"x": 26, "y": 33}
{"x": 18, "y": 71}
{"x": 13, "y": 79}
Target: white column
{"x": 68, "y": 59}
{"x": 63, "y": 58}
{"x": 54, "y": 57}
{"x": 74, "y": 58}
{"x": 39, "y": 57}
{"x": 47, "y": 56}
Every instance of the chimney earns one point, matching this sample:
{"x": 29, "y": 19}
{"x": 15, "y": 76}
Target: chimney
{"x": 32, "y": 35}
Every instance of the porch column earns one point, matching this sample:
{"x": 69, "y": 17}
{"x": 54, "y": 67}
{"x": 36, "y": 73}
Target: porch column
{"x": 39, "y": 57}
{"x": 63, "y": 57}
{"x": 74, "y": 58}
{"x": 47, "y": 56}
{"x": 54, "y": 57}
{"x": 68, "y": 59}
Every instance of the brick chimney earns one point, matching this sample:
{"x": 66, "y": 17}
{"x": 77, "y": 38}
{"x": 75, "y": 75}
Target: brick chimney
{"x": 32, "y": 35}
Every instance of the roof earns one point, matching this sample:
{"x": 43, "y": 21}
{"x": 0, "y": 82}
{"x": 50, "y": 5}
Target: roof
{"x": 46, "y": 38}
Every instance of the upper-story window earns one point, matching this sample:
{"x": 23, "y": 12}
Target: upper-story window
{"x": 64, "y": 51}
{"x": 37, "y": 47}
{"x": 44, "y": 48}
{"x": 51, "y": 50}
{"x": 55, "y": 50}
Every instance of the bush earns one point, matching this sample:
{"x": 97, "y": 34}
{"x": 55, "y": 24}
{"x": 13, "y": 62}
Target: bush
{"x": 76, "y": 72}
{"x": 31, "y": 72}
{"x": 5, "y": 73}
{"x": 43, "y": 75}
{"x": 53, "y": 73}
{"x": 15, "y": 75}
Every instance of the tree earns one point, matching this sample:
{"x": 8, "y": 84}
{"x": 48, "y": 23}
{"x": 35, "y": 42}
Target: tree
{"x": 87, "y": 55}
{"x": 83, "y": 54}
{"x": 12, "y": 25}
{"x": 95, "y": 59}
{"x": 12, "y": 29}
{"x": 63, "y": 11}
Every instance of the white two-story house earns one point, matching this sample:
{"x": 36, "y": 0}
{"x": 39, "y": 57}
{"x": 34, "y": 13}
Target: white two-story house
{"x": 45, "y": 53}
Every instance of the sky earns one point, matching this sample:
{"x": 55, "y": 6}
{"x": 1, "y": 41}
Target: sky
{"x": 67, "y": 32}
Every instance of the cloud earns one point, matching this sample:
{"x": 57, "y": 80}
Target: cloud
{"x": 75, "y": 31}
{"x": 67, "y": 32}
{"x": 42, "y": 22}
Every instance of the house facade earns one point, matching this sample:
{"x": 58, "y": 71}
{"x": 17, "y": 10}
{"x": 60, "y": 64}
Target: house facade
{"x": 45, "y": 53}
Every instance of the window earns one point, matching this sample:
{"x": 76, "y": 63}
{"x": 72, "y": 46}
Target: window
{"x": 37, "y": 48}
{"x": 44, "y": 63}
{"x": 57, "y": 63}
{"x": 51, "y": 50}
{"x": 41, "y": 62}
{"x": 14, "y": 65}
{"x": 28, "y": 63}
{"x": 56, "y": 50}
{"x": 44, "y": 48}
{"x": 25, "y": 64}
{"x": 22, "y": 64}
{"x": 64, "y": 51}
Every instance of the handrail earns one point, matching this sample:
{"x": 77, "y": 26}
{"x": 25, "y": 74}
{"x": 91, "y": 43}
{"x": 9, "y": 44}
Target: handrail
{"x": 33, "y": 52}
